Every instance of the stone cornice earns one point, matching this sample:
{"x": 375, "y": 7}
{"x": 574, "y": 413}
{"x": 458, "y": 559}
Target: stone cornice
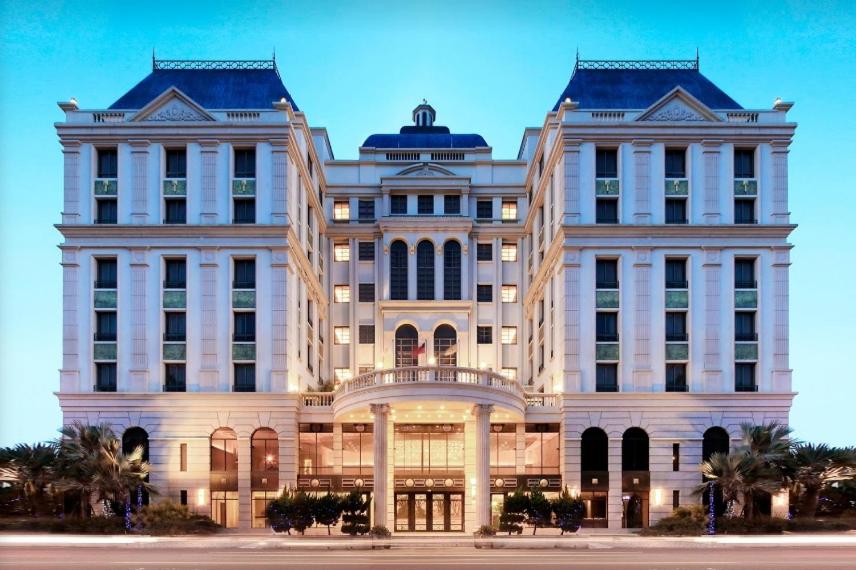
{"x": 172, "y": 231}
{"x": 675, "y": 400}
{"x": 698, "y": 231}
{"x": 438, "y": 306}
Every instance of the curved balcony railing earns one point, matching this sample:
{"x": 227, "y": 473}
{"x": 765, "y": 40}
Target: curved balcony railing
{"x": 428, "y": 375}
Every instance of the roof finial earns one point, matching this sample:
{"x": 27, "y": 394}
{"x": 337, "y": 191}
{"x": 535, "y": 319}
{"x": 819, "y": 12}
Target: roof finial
{"x": 424, "y": 101}
{"x": 153, "y": 58}
{"x": 274, "y": 54}
{"x": 696, "y": 58}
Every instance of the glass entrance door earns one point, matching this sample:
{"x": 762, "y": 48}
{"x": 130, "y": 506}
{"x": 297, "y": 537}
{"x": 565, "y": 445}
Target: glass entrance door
{"x": 421, "y": 512}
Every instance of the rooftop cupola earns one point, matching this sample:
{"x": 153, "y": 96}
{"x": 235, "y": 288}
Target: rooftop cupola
{"x": 424, "y": 115}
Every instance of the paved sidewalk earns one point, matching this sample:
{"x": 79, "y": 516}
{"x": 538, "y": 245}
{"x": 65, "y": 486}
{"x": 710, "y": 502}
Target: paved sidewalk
{"x": 257, "y": 541}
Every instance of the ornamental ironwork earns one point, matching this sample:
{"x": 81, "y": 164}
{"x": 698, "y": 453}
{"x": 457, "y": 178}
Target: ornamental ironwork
{"x": 637, "y": 64}
{"x": 213, "y": 64}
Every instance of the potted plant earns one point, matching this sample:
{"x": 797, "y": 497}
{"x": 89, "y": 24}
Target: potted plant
{"x": 380, "y": 537}
{"x": 482, "y": 537}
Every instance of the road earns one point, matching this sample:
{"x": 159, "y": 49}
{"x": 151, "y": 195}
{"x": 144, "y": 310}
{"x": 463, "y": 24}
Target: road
{"x": 153, "y": 557}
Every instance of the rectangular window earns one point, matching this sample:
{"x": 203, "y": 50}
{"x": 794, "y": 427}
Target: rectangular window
{"x": 606, "y": 163}
{"x": 676, "y": 499}
{"x": 398, "y": 204}
{"x": 425, "y": 204}
{"x": 606, "y": 274}
{"x": 485, "y": 293}
{"x": 509, "y": 211}
{"x": 176, "y": 274}
{"x": 606, "y": 211}
{"x": 366, "y": 250}
{"x": 342, "y": 335}
{"x": 484, "y": 335}
{"x": 676, "y": 326}
{"x": 182, "y": 497}
{"x": 342, "y": 374}
{"x": 366, "y": 334}
{"x": 245, "y": 274}
{"x": 744, "y": 326}
{"x": 245, "y": 377}
{"x": 244, "y": 210}
{"x": 676, "y": 211}
{"x": 509, "y": 252}
{"x": 175, "y": 377}
{"x": 510, "y": 373}
{"x": 676, "y": 274}
{"x": 107, "y": 211}
{"x": 105, "y": 377}
{"x": 676, "y": 163}
{"x": 509, "y": 335}
{"x": 606, "y": 378}
{"x": 341, "y": 211}
{"x": 341, "y": 294}
{"x": 315, "y": 449}
{"x": 176, "y": 211}
{"x": 676, "y": 457}
{"x": 108, "y": 163}
{"x": 105, "y": 325}
{"x": 365, "y": 210}
{"x": 744, "y": 274}
{"x": 341, "y": 251}
{"x": 484, "y": 209}
{"x": 509, "y": 293}
{"x": 503, "y": 448}
{"x": 606, "y": 325}
{"x": 744, "y": 163}
{"x": 542, "y": 442}
{"x": 484, "y": 252}
{"x": 744, "y": 377}
{"x": 175, "y": 326}
{"x": 451, "y": 204}
{"x": 105, "y": 271}
{"x": 176, "y": 163}
{"x": 744, "y": 211}
{"x": 676, "y": 377}
{"x": 182, "y": 455}
{"x": 245, "y": 327}
{"x": 367, "y": 293}
{"x": 245, "y": 163}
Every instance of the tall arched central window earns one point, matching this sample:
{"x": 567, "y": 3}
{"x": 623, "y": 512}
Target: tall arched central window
{"x": 224, "y": 477}
{"x": 446, "y": 346}
{"x": 452, "y": 270}
{"x": 398, "y": 271}
{"x": 634, "y": 450}
{"x": 132, "y": 439}
{"x": 264, "y": 459}
{"x": 405, "y": 345}
{"x": 425, "y": 271}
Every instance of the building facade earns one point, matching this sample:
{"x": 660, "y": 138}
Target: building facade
{"x": 426, "y": 324}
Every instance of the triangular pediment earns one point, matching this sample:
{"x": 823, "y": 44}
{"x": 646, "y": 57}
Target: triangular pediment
{"x": 174, "y": 106}
{"x": 678, "y": 106}
{"x": 425, "y": 169}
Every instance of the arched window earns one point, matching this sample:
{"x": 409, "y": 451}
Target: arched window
{"x": 405, "y": 346}
{"x": 425, "y": 271}
{"x": 132, "y": 439}
{"x": 634, "y": 450}
{"x": 224, "y": 477}
{"x": 452, "y": 270}
{"x": 398, "y": 270}
{"x": 594, "y": 450}
{"x": 715, "y": 440}
{"x": 264, "y": 459}
{"x": 446, "y": 346}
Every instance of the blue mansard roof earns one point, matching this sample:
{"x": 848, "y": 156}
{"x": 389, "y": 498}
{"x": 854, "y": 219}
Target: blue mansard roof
{"x": 424, "y": 137}
{"x": 212, "y": 84}
{"x": 639, "y": 84}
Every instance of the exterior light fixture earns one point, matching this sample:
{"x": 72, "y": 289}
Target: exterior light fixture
{"x": 379, "y": 365}
{"x": 432, "y": 360}
{"x": 657, "y": 497}
{"x": 200, "y": 497}
{"x": 500, "y": 483}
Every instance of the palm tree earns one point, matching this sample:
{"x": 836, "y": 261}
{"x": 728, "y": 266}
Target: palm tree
{"x": 766, "y": 447}
{"x": 117, "y": 473}
{"x": 726, "y": 471}
{"x": 32, "y": 467}
{"x": 813, "y": 466}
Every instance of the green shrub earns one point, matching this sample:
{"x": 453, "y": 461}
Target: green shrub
{"x": 761, "y": 525}
{"x": 355, "y": 517}
{"x": 569, "y": 512}
{"x": 379, "y": 531}
{"x": 813, "y": 525}
{"x": 485, "y": 530}
{"x": 326, "y": 510}
{"x": 167, "y": 517}
{"x": 292, "y": 510}
{"x": 94, "y": 525}
{"x": 684, "y": 521}
{"x": 514, "y": 513}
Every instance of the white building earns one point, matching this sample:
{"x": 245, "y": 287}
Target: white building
{"x": 598, "y": 314}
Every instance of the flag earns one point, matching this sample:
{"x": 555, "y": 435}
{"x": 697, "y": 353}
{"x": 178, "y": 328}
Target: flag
{"x": 420, "y": 349}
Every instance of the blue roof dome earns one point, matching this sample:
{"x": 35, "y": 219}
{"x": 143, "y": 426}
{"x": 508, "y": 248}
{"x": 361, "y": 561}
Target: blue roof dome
{"x": 597, "y": 84}
{"x": 424, "y": 134}
{"x": 212, "y": 84}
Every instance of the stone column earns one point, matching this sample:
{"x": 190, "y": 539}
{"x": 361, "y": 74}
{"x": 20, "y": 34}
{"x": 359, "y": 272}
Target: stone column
{"x": 139, "y": 181}
{"x": 615, "y": 506}
{"x": 381, "y": 421}
{"x": 482, "y": 414}
{"x": 244, "y": 482}
{"x": 139, "y": 369}
{"x": 712, "y": 270}
{"x": 210, "y": 150}
{"x": 71, "y": 181}
{"x": 642, "y": 181}
{"x": 712, "y": 190}
{"x": 781, "y": 215}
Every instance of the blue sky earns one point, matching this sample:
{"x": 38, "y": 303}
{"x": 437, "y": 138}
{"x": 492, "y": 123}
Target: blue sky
{"x": 492, "y": 68}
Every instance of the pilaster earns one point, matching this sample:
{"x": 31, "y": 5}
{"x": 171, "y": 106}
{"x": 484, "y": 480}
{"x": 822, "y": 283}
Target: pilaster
{"x": 571, "y": 167}
{"x": 781, "y": 381}
{"x": 139, "y": 181}
{"x": 712, "y": 270}
{"x": 70, "y": 373}
{"x": 139, "y": 369}
{"x": 781, "y": 215}
{"x": 642, "y": 181}
{"x": 244, "y": 482}
{"x": 573, "y": 377}
{"x": 711, "y": 150}
{"x": 209, "y": 373}
{"x": 279, "y": 182}
{"x": 642, "y": 375}
{"x": 71, "y": 181}
{"x": 209, "y": 151}
{"x": 615, "y": 506}
{"x": 279, "y": 321}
